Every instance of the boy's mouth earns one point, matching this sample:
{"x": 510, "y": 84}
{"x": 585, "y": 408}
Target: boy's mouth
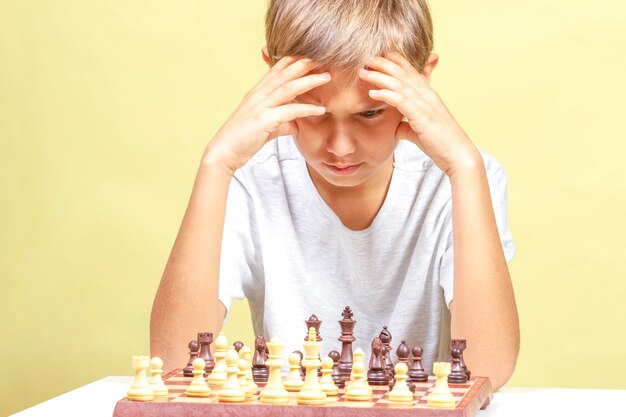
{"x": 343, "y": 170}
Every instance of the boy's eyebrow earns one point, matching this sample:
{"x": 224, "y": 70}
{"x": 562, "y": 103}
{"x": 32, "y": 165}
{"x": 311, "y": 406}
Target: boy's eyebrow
{"x": 362, "y": 106}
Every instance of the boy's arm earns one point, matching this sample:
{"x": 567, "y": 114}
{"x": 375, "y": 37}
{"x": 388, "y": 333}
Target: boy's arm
{"x": 187, "y": 298}
{"x": 483, "y": 309}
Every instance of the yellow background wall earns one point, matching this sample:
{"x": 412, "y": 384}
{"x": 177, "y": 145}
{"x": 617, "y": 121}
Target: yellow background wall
{"x": 106, "y": 107}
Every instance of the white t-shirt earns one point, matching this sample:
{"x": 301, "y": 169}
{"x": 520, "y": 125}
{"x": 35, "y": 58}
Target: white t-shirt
{"x": 288, "y": 253}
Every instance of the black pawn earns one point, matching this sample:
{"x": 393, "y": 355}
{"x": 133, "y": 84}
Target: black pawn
{"x": 205, "y": 339}
{"x": 238, "y": 345}
{"x": 417, "y": 372}
{"x": 457, "y": 375}
{"x": 339, "y": 381}
{"x": 194, "y": 347}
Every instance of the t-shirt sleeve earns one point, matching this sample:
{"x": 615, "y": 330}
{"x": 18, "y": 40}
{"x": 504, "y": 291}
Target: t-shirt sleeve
{"x": 240, "y": 264}
{"x": 498, "y": 188}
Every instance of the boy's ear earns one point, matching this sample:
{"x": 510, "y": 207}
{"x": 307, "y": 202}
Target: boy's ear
{"x": 266, "y": 56}
{"x": 433, "y": 60}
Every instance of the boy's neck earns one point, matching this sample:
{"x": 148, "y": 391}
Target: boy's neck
{"x": 356, "y": 206}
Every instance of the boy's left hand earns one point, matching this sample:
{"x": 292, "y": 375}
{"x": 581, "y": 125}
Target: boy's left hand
{"x": 430, "y": 124}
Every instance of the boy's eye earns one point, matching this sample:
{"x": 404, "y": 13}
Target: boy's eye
{"x": 372, "y": 114}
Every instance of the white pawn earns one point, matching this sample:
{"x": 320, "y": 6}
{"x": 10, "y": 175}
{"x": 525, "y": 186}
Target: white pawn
{"x": 359, "y": 390}
{"x": 231, "y": 392}
{"x": 198, "y": 386}
{"x": 156, "y": 382}
{"x": 326, "y": 382}
{"x": 140, "y": 390}
{"x": 246, "y": 353}
{"x": 294, "y": 382}
{"x": 218, "y": 376}
{"x": 242, "y": 377}
{"x": 401, "y": 392}
{"x": 441, "y": 396}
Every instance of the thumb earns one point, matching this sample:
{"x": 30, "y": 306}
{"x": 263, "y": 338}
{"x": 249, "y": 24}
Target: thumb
{"x": 284, "y": 129}
{"x": 404, "y": 131}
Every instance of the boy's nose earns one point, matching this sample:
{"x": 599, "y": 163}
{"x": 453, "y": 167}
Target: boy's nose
{"x": 340, "y": 144}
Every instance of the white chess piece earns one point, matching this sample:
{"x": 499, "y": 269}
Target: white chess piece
{"x": 231, "y": 392}
{"x": 140, "y": 390}
{"x": 274, "y": 392}
{"x": 311, "y": 393}
{"x": 294, "y": 381}
{"x": 326, "y": 382}
{"x": 156, "y": 381}
{"x": 198, "y": 386}
{"x": 401, "y": 392}
{"x": 441, "y": 396}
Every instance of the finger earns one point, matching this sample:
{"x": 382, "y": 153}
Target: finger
{"x": 381, "y": 80}
{"x": 409, "y": 108}
{"x": 404, "y": 131}
{"x": 283, "y": 63}
{"x": 294, "y": 88}
{"x": 292, "y": 111}
{"x": 295, "y": 70}
{"x": 397, "y": 69}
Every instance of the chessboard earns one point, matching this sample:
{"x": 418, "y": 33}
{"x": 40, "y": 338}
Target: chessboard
{"x": 470, "y": 397}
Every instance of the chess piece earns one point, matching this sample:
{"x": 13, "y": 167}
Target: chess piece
{"x": 242, "y": 378}
{"x": 198, "y": 386}
{"x": 337, "y": 378}
{"x": 311, "y": 393}
{"x": 205, "y": 339}
{"x": 194, "y": 347}
{"x": 238, "y": 345}
{"x": 302, "y": 368}
{"x": 385, "y": 337}
{"x": 347, "y": 337}
{"x": 294, "y": 381}
{"x": 358, "y": 390}
{"x": 140, "y": 390}
{"x": 457, "y": 375}
{"x": 401, "y": 392}
{"x": 314, "y": 322}
{"x": 377, "y": 373}
{"x": 326, "y": 382}
{"x": 441, "y": 396}
{"x": 275, "y": 392}
{"x": 218, "y": 376}
{"x": 260, "y": 372}
{"x": 231, "y": 392}
{"x": 417, "y": 372}
{"x": 461, "y": 344}
{"x": 246, "y": 354}
{"x": 156, "y": 381}
{"x": 402, "y": 353}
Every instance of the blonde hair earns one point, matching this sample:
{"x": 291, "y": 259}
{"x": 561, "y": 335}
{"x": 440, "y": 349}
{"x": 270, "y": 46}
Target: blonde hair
{"x": 341, "y": 35}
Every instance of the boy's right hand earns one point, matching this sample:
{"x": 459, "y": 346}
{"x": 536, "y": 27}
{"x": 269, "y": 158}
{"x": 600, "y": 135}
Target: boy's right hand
{"x": 265, "y": 113}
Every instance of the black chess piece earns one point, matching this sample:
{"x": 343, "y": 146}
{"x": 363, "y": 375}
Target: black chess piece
{"x": 339, "y": 381}
{"x": 403, "y": 353}
{"x": 347, "y": 337}
{"x": 417, "y": 372}
{"x": 238, "y": 345}
{"x": 457, "y": 375}
{"x": 260, "y": 371}
{"x": 461, "y": 344}
{"x": 377, "y": 373}
{"x": 385, "y": 337}
{"x": 205, "y": 339}
{"x": 194, "y": 347}
{"x": 314, "y": 322}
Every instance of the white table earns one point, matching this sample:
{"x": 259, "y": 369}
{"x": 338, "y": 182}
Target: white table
{"x": 98, "y": 400}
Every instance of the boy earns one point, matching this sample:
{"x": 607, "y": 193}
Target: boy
{"x": 332, "y": 185}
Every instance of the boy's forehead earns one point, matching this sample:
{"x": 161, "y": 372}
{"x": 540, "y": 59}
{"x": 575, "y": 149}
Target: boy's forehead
{"x": 356, "y": 93}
